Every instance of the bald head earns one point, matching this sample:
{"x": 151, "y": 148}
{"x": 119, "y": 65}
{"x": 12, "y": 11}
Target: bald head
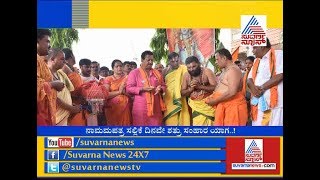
{"x": 56, "y": 59}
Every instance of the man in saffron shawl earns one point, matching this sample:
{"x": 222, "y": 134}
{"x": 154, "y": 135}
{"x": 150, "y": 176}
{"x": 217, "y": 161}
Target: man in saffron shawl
{"x": 75, "y": 119}
{"x": 56, "y": 60}
{"x": 265, "y": 81}
{"x": 46, "y": 87}
{"x": 147, "y": 85}
{"x": 231, "y": 106}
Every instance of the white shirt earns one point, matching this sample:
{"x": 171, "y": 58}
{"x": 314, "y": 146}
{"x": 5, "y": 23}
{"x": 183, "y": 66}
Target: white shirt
{"x": 264, "y": 74}
{"x": 87, "y": 79}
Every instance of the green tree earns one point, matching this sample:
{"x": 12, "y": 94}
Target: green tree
{"x": 63, "y": 37}
{"x": 218, "y": 45}
{"x": 159, "y": 45}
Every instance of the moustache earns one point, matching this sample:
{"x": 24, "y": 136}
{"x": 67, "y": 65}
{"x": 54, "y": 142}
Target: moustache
{"x": 195, "y": 72}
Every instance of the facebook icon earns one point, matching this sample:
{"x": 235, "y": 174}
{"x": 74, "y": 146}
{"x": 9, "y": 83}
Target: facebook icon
{"x": 53, "y": 167}
{"x": 53, "y": 154}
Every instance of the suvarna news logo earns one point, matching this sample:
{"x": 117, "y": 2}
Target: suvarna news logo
{"x": 253, "y": 157}
{"x": 253, "y": 150}
{"x": 253, "y": 30}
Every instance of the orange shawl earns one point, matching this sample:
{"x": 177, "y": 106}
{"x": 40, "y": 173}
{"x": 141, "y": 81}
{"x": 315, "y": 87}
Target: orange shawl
{"x": 46, "y": 96}
{"x": 117, "y": 108}
{"x": 149, "y": 95}
{"x": 273, "y": 90}
{"x": 78, "y": 119}
{"x": 244, "y": 83}
{"x": 114, "y": 85}
{"x": 76, "y": 80}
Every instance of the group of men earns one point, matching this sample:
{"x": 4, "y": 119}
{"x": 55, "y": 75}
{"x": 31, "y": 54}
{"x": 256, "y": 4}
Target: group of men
{"x": 178, "y": 95}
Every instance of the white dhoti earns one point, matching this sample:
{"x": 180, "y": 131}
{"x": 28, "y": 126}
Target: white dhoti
{"x": 273, "y": 118}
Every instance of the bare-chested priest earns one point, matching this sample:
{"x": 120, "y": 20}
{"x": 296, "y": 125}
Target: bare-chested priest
{"x": 230, "y": 103}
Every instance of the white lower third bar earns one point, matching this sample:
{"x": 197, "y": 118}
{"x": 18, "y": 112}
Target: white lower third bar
{"x": 253, "y": 166}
